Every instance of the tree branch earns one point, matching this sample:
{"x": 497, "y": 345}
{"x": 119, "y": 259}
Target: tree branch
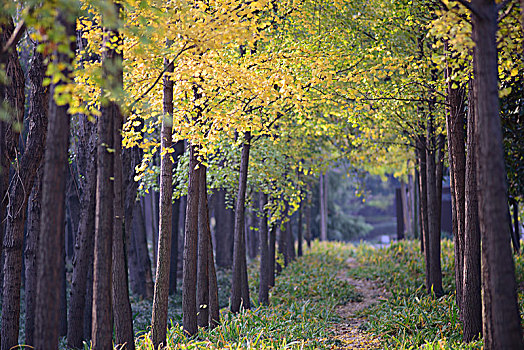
{"x": 166, "y": 67}
{"x": 470, "y": 7}
{"x": 15, "y": 36}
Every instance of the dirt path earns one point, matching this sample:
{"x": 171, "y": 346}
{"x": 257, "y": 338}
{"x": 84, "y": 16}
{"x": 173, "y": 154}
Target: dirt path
{"x": 348, "y": 332}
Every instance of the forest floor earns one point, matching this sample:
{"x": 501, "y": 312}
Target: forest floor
{"x": 349, "y": 333}
{"x": 337, "y": 296}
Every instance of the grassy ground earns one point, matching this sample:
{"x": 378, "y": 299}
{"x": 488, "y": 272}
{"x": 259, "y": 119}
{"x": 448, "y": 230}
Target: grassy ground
{"x": 302, "y": 309}
{"x": 409, "y": 318}
{"x": 303, "y": 313}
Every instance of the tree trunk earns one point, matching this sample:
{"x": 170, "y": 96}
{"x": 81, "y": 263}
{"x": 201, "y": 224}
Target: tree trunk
{"x": 471, "y": 303}
{"x": 263, "y": 288}
{"x": 123, "y": 319}
{"x": 280, "y": 248}
{"x": 457, "y": 165}
{"x": 214, "y": 308}
{"x": 153, "y": 198}
{"x": 160, "y": 299}
{"x": 299, "y": 228}
{"x": 271, "y": 251}
{"x": 84, "y": 246}
{"x": 224, "y": 218}
{"x": 435, "y": 273}
{"x": 142, "y": 252}
{"x": 189, "y": 279}
{"x": 501, "y": 319}
{"x": 175, "y": 223}
{"x": 130, "y": 158}
{"x": 207, "y": 287}
{"x": 88, "y": 309}
{"x": 423, "y": 185}
{"x": 323, "y": 207}
{"x": 63, "y": 292}
{"x": 53, "y": 214}
{"x": 405, "y": 211}
{"x": 516, "y": 226}
{"x": 308, "y": 218}
{"x": 18, "y": 191}
{"x": 31, "y": 247}
{"x": 39, "y": 102}
{"x": 101, "y": 332}
{"x": 291, "y": 241}
{"x": 203, "y": 251}
{"x": 239, "y": 287}
{"x": 72, "y": 212}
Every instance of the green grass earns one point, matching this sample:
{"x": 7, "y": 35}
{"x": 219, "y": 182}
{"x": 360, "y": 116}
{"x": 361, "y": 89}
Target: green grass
{"x": 307, "y": 292}
{"x": 410, "y": 318}
{"x": 302, "y": 309}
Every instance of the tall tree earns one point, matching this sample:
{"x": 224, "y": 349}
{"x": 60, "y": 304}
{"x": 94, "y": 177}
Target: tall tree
{"x": 175, "y": 223}
{"x": 53, "y": 204}
{"x": 263, "y": 288}
{"x": 31, "y": 247}
{"x": 435, "y": 272}
{"x": 38, "y": 105}
{"x": 501, "y": 320}
{"x": 457, "y": 164}
{"x": 203, "y": 254}
{"x": 83, "y": 251}
{"x": 471, "y": 302}
{"x": 189, "y": 282}
{"x": 15, "y": 193}
{"x": 323, "y": 207}
{"x": 239, "y": 286}
{"x": 160, "y": 298}
{"x": 101, "y": 330}
{"x": 123, "y": 318}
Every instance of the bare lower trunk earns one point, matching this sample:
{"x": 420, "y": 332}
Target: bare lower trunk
{"x": 435, "y": 273}
{"x": 207, "y": 289}
{"x": 457, "y": 164}
{"x": 323, "y": 208}
{"x": 239, "y": 288}
{"x": 214, "y": 308}
{"x": 31, "y": 247}
{"x": 142, "y": 252}
{"x": 282, "y": 246}
{"x": 17, "y": 192}
{"x": 299, "y": 229}
{"x": 189, "y": 282}
{"x": 501, "y": 319}
{"x": 123, "y": 321}
{"x": 290, "y": 241}
{"x": 63, "y": 292}
{"x": 271, "y": 252}
{"x": 175, "y": 221}
{"x": 263, "y": 288}
{"x": 130, "y": 158}
{"x": 471, "y": 303}
{"x": 101, "y": 330}
{"x": 225, "y": 222}
{"x": 308, "y": 218}
{"x": 160, "y": 299}
{"x": 203, "y": 251}
{"x": 52, "y": 217}
{"x": 421, "y": 150}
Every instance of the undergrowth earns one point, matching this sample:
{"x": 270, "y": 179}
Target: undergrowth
{"x": 409, "y": 318}
{"x": 302, "y": 308}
